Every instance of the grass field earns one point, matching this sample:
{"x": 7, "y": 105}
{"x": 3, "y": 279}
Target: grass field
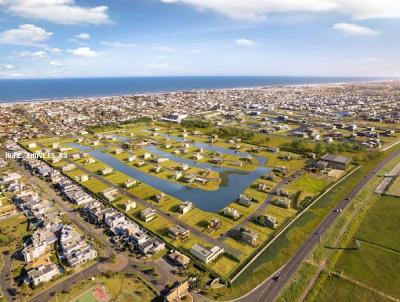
{"x": 394, "y": 188}
{"x": 337, "y": 289}
{"x": 373, "y": 266}
{"x": 294, "y": 290}
{"x": 381, "y": 223}
{"x": 376, "y": 264}
{"x": 120, "y": 287}
{"x": 378, "y": 261}
{"x": 12, "y": 231}
{"x": 310, "y": 184}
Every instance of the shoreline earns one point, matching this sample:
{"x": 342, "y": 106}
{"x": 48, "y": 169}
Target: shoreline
{"x": 272, "y": 86}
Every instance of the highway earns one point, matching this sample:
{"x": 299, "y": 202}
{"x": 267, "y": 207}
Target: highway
{"x": 270, "y": 290}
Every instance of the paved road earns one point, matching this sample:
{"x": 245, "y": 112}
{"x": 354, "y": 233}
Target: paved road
{"x": 270, "y": 290}
{"x": 5, "y": 275}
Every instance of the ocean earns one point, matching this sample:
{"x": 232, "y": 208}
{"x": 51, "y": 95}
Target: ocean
{"x": 15, "y": 90}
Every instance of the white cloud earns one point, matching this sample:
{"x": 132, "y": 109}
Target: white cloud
{"x": 198, "y": 51}
{"x": 356, "y": 30}
{"x": 54, "y": 50}
{"x": 369, "y": 9}
{"x": 259, "y": 9}
{"x": 82, "y": 36}
{"x": 26, "y": 35}
{"x": 8, "y": 66}
{"x": 158, "y": 66}
{"x": 33, "y": 54}
{"x": 55, "y": 64}
{"x": 84, "y": 52}
{"x": 164, "y": 68}
{"x": 57, "y": 11}
{"x": 245, "y": 42}
{"x": 118, "y": 44}
{"x": 163, "y": 49}
{"x": 372, "y": 60}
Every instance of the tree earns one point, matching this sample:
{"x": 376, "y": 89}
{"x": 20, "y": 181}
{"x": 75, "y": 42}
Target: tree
{"x": 319, "y": 149}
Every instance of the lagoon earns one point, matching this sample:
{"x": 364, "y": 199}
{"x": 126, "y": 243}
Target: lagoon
{"x": 236, "y": 181}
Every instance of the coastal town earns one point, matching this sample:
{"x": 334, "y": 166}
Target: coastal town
{"x": 186, "y": 194}
{"x": 321, "y": 105}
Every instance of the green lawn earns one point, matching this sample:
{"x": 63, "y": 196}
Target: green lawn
{"x": 394, "y": 188}
{"x": 224, "y": 265}
{"x": 283, "y": 248}
{"x": 376, "y": 264}
{"x": 293, "y": 290}
{"x": 308, "y": 183}
{"x": 121, "y": 288}
{"x": 381, "y": 223}
{"x": 373, "y": 266}
{"x": 12, "y": 231}
{"x": 339, "y": 290}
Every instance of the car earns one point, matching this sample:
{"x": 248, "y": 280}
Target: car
{"x": 276, "y": 278}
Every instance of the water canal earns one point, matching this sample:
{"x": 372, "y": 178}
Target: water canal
{"x": 236, "y": 181}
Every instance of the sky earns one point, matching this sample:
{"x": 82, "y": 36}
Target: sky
{"x": 111, "y": 38}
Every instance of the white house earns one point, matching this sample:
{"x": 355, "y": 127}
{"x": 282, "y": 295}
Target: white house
{"x": 206, "y": 255}
{"x": 185, "y": 207}
{"x": 42, "y": 274}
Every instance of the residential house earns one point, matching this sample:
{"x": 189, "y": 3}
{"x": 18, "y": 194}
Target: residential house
{"x": 185, "y": 207}
{"x": 106, "y": 171}
{"x": 130, "y": 205}
{"x": 179, "y": 259}
{"x": 42, "y": 274}
{"x": 130, "y": 183}
{"x": 282, "y": 202}
{"x": 244, "y": 200}
{"x": 336, "y": 161}
{"x": 248, "y": 236}
{"x": 178, "y": 290}
{"x": 178, "y": 232}
{"x": 148, "y": 214}
{"x": 206, "y": 255}
{"x": 262, "y": 187}
{"x": 231, "y": 213}
{"x": 268, "y": 221}
{"x": 110, "y": 193}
